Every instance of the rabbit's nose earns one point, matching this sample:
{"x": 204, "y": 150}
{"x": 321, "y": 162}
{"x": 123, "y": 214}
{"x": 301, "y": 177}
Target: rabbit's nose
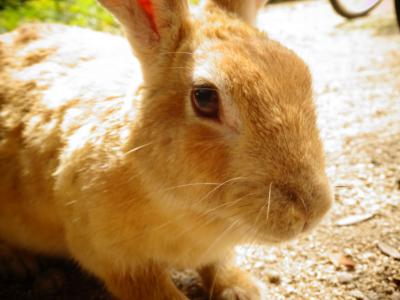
{"x": 311, "y": 203}
{"x": 292, "y": 195}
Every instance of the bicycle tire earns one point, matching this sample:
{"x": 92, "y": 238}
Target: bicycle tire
{"x": 340, "y": 8}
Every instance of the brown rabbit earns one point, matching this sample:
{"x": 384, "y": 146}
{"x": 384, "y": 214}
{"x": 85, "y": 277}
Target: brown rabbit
{"x": 132, "y": 169}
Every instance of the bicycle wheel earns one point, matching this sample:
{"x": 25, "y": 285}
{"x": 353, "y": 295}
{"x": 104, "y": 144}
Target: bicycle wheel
{"x": 351, "y": 9}
{"x": 397, "y": 11}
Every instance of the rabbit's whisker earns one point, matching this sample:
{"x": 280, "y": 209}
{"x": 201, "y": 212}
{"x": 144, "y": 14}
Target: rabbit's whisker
{"x": 212, "y": 288}
{"x": 138, "y": 148}
{"x": 211, "y": 218}
{"x": 204, "y": 223}
{"x": 229, "y": 204}
{"x": 254, "y": 226}
{"x": 154, "y": 229}
{"x": 255, "y": 232}
{"x": 177, "y": 52}
{"x": 198, "y": 224}
{"x": 189, "y": 184}
{"x": 219, "y": 238}
{"x": 228, "y": 217}
{"x": 70, "y": 203}
{"x": 260, "y": 212}
{"x": 304, "y": 205}
{"x": 218, "y": 187}
{"x": 269, "y": 201}
{"x": 206, "y": 214}
{"x": 173, "y": 68}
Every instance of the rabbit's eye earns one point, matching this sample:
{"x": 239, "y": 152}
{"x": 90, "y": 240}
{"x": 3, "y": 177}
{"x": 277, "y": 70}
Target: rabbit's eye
{"x": 205, "y": 101}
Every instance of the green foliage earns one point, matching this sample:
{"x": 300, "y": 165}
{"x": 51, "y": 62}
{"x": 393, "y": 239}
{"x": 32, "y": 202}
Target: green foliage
{"x": 85, "y": 13}
{"x": 11, "y": 3}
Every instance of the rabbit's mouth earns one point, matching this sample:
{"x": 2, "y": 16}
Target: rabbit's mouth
{"x": 283, "y": 213}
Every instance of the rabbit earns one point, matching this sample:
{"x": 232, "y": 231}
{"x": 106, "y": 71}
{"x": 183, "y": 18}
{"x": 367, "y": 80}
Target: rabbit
{"x": 132, "y": 165}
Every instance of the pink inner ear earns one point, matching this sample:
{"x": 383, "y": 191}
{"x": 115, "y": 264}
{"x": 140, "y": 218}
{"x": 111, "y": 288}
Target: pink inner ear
{"x": 148, "y": 8}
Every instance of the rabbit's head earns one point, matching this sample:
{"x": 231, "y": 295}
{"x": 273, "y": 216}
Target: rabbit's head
{"x": 229, "y": 118}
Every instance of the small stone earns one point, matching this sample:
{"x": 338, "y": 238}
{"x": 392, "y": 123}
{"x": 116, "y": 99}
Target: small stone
{"x": 273, "y": 277}
{"x": 341, "y": 260}
{"x": 395, "y": 296}
{"x": 271, "y": 258}
{"x": 358, "y": 295}
{"x": 345, "y": 278}
{"x": 396, "y": 280}
{"x": 373, "y": 296}
{"x": 348, "y": 251}
{"x": 354, "y": 219}
{"x": 259, "y": 265}
{"x": 389, "y": 250}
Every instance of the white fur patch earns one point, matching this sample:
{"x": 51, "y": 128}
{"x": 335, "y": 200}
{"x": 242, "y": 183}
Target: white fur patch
{"x": 207, "y": 72}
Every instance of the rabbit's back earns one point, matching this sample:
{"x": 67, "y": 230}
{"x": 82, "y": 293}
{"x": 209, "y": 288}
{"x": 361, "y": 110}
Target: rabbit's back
{"x": 56, "y": 84}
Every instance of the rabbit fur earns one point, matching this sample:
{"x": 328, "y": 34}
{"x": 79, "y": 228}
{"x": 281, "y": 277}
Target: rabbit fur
{"x": 103, "y": 158}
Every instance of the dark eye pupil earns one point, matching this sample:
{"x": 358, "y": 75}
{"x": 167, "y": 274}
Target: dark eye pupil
{"x": 205, "y": 102}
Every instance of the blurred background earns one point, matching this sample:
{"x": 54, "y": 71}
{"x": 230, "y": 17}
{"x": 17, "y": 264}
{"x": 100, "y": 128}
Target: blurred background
{"x": 85, "y": 13}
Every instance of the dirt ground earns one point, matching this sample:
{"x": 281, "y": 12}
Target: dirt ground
{"x": 356, "y": 70}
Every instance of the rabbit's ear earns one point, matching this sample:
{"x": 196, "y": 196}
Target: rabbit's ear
{"x": 246, "y": 9}
{"x": 152, "y": 26}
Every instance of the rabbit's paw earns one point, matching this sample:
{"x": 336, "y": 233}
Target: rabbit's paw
{"x": 16, "y": 264}
{"x": 256, "y": 292}
{"x": 236, "y": 293}
{"x": 224, "y": 282}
